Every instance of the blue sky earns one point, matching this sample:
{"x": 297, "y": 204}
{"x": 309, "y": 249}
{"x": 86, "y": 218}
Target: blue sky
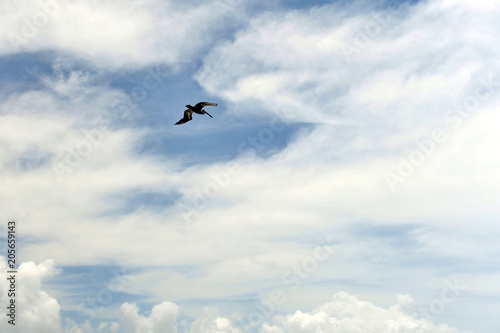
{"x": 348, "y": 181}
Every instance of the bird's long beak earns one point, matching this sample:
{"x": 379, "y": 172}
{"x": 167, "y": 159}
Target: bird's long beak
{"x": 208, "y": 114}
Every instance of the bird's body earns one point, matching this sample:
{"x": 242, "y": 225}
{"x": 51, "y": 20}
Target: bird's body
{"x": 198, "y": 108}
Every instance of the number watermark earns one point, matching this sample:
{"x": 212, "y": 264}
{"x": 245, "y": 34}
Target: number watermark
{"x": 11, "y": 272}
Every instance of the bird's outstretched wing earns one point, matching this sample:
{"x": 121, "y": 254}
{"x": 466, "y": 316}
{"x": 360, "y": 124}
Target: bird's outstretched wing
{"x": 188, "y": 115}
{"x": 202, "y": 104}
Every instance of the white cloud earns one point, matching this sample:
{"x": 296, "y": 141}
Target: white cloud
{"x": 161, "y": 319}
{"x": 347, "y": 314}
{"x": 115, "y": 34}
{"x": 390, "y": 94}
{"x": 209, "y": 321}
{"x": 64, "y": 139}
{"x": 408, "y": 68}
{"x": 35, "y": 310}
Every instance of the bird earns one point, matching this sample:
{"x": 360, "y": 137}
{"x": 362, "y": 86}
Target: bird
{"x": 198, "y": 108}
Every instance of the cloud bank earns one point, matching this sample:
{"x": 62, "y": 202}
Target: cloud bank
{"x": 345, "y": 313}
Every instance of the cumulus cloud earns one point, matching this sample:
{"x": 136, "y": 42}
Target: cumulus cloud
{"x": 161, "y": 319}
{"x": 347, "y": 314}
{"x": 35, "y": 310}
{"x": 209, "y": 321}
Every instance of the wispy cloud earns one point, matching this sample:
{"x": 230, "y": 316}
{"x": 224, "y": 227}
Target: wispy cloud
{"x": 115, "y": 35}
{"x": 224, "y": 232}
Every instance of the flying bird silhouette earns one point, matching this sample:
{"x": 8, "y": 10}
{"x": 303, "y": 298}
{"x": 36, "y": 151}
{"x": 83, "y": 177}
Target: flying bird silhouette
{"x": 198, "y": 108}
